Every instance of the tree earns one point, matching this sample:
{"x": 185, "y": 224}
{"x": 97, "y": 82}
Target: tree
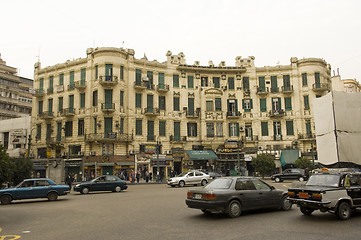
{"x": 264, "y": 164}
{"x": 22, "y": 169}
{"x": 5, "y": 166}
{"x": 304, "y": 163}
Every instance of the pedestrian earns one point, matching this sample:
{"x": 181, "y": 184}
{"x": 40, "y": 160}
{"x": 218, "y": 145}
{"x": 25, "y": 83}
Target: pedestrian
{"x": 150, "y": 176}
{"x": 146, "y": 176}
{"x": 132, "y": 177}
{"x": 157, "y": 178}
{"x": 69, "y": 180}
{"x": 138, "y": 175}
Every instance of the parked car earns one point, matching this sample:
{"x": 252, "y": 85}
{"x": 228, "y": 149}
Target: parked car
{"x": 233, "y": 195}
{"x": 34, "y": 188}
{"x": 189, "y": 178}
{"x": 334, "y": 191}
{"x": 290, "y": 174}
{"x": 102, "y": 183}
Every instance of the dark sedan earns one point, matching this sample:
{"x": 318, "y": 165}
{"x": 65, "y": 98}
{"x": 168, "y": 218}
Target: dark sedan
{"x": 34, "y": 188}
{"x": 102, "y": 183}
{"x": 232, "y": 195}
{"x": 290, "y": 174}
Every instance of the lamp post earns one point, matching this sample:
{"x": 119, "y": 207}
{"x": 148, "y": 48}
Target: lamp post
{"x": 157, "y": 149}
{"x": 238, "y": 160}
{"x": 29, "y": 142}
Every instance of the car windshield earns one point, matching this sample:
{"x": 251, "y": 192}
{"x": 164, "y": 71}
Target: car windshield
{"x": 324, "y": 180}
{"x": 220, "y": 183}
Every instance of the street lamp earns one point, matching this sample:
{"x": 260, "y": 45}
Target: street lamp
{"x": 29, "y": 142}
{"x": 157, "y": 149}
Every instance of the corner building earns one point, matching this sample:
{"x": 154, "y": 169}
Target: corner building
{"x": 109, "y": 112}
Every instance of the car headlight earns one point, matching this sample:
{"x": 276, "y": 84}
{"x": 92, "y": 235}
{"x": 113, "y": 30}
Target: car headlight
{"x": 77, "y": 185}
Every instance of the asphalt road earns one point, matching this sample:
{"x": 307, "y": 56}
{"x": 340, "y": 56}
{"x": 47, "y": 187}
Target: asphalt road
{"x": 156, "y": 211}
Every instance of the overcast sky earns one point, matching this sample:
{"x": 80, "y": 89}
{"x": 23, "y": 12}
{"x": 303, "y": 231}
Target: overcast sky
{"x": 271, "y": 30}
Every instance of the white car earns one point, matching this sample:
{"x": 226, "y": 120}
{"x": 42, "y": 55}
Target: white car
{"x": 189, "y": 178}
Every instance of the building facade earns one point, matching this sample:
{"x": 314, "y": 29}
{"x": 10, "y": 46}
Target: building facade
{"x": 110, "y": 112}
{"x": 15, "y": 95}
{"x": 351, "y": 86}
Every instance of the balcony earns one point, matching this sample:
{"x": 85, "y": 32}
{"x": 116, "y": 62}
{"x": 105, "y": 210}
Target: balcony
{"x": 67, "y": 112}
{"x": 307, "y": 136}
{"x": 277, "y": 113}
{"x": 177, "y": 138}
{"x": 287, "y": 89}
{"x": 150, "y": 111}
{"x": 140, "y": 85}
{"x": 274, "y": 90}
{"x": 320, "y": 87}
{"x": 38, "y": 93}
{"x": 193, "y": 114}
{"x": 55, "y": 141}
{"x": 233, "y": 114}
{"x": 46, "y": 115}
{"x": 262, "y": 91}
{"x": 163, "y": 88}
{"x": 108, "y": 81}
{"x": 108, "y": 137}
{"x": 252, "y": 138}
{"x": 277, "y": 137}
{"x": 80, "y": 85}
{"x": 71, "y": 87}
{"x": 50, "y": 90}
{"x": 108, "y": 107}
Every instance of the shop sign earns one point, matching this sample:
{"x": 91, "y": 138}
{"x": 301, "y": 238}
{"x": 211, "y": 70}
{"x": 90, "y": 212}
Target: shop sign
{"x": 20, "y": 140}
{"x": 19, "y": 132}
{"x": 161, "y": 163}
{"x": 160, "y": 156}
{"x": 178, "y": 152}
{"x": 150, "y": 149}
{"x": 230, "y": 144}
{"x": 229, "y": 150}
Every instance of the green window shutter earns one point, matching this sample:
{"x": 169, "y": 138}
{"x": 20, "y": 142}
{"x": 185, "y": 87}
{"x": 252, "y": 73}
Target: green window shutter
{"x": 121, "y": 73}
{"x": 176, "y": 103}
{"x": 60, "y": 104}
{"x": 175, "y": 80}
{"x": 243, "y": 103}
{"x": 251, "y": 103}
{"x": 216, "y": 82}
{"x": 108, "y": 126}
{"x": 190, "y": 82}
{"x": 317, "y": 80}
{"x": 41, "y": 85}
{"x": 177, "y": 131}
{"x": 71, "y": 103}
{"x": 51, "y": 82}
{"x": 71, "y": 83}
{"x": 218, "y": 104}
{"x": 230, "y": 83}
{"x": 161, "y": 80}
{"x": 82, "y": 100}
{"x": 246, "y": 83}
{"x": 138, "y": 77}
{"x": 50, "y": 106}
{"x": 96, "y": 72}
{"x": 58, "y": 132}
{"x": 191, "y": 106}
{"x": 308, "y": 127}
{"x": 108, "y": 72}
{"x": 286, "y": 82}
{"x": 82, "y": 76}
{"x": 161, "y": 128}
{"x": 229, "y": 130}
{"x": 108, "y": 98}
{"x": 262, "y": 84}
{"x": 138, "y": 100}
{"x": 121, "y": 128}
{"x": 61, "y": 79}
{"x": 304, "y": 79}
{"x": 95, "y": 125}
{"x": 306, "y": 102}
{"x": 150, "y": 103}
{"x": 279, "y": 104}
{"x": 161, "y": 102}
{"x": 274, "y": 86}
{"x": 121, "y": 101}
{"x": 95, "y": 98}
{"x": 288, "y": 104}
{"x": 138, "y": 127}
{"x": 150, "y": 135}
{"x": 263, "y": 105}
{"x": 237, "y": 129}
{"x": 264, "y": 128}
{"x": 289, "y": 127}
{"x": 236, "y": 103}
{"x": 150, "y": 79}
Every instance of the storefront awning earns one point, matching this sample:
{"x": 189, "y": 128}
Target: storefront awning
{"x": 201, "y": 154}
{"x": 289, "y": 156}
{"x": 105, "y": 164}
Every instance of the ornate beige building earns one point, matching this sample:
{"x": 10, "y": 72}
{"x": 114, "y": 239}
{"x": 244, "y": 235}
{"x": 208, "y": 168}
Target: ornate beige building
{"x": 109, "y": 111}
{"x": 351, "y": 85}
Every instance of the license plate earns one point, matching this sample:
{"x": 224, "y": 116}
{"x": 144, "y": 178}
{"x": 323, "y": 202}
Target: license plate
{"x": 303, "y": 195}
{"x": 198, "y": 196}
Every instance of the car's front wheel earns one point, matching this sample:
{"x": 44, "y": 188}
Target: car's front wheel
{"x": 234, "y": 209}
{"x": 204, "y": 182}
{"x": 306, "y": 211}
{"x": 343, "y": 211}
{"x": 52, "y": 196}
{"x": 285, "y": 203}
{"x": 181, "y": 184}
{"x": 85, "y": 190}
{"x": 277, "y": 179}
{"x": 6, "y": 199}
{"x": 117, "y": 189}
{"x": 301, "y": 179}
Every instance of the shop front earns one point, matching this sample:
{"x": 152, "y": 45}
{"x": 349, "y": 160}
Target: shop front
{"x": 229, "y": 156}
{"x": 40, "y": 168}
{"x": 165, "y": 166}
{"x": 178, "y": 155}
{"x": 143, "y": 164}
{"x": 74, "y": 167}
{"x": 201, "y": 159}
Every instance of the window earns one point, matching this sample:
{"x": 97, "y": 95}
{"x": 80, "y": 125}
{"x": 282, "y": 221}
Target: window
{"x": 246, "y": 83}
{"x": 58, "y": 131}
{"x": 233, "y": 129}
{"x": 177, "y": 136}
{"x": 289, "y": 128}
{"x": 308, "y": 128}
{"x": 138, "y": 77}
{"x": 51, "y": 83}
{"x": 108, "y": 72}
{"x": 161, "y": 102}
{"x": 68, "y": 129}
{"x": 40, "y": 107}
{"x": 247, "y": 104}
{"x": 277, "y": 129}
{"x": 304, "y": 79}
{"x": 190, "y": 82}
{"x": 264, "y": 128}
{"x": 121, "y": 127}
{"x": 80, "y": 127}
{"x": 210, "y": 129}
{"x": 231, "y": 83}
{"x": 48, "y": 131}
{"x": 317, "y": 80}
{"x": 108, "y": 127}
{"x": 161, "y": 80}
{"x": 138, "y": 100}
{"x": 274, "y": 86}
{"x": 82, "y": 100}
{"x": 95, "y": 124}
{"x": 121, "y": 101}
{"x": 61, "y": 79}
{"x": 218, "y": 104}
{"x": 306, "y": 102}
{"x": 50, "y": 106}
{"x": 216, "y": 83}
{"x": 82, "y": 76}
{"x": 175, "y": 80}
{"x": 176, "y": 103}
{"x": 150, "y": 134}
{"x": 248, "y": 132}
{"x": 71, "y": 81}
{"x": 150, "y": 84}
{"x": 121, "y": 75}
{"x": 162, "y": 128}
{"x": 204, "y": 81}
{"x": 219, "y": 129}
{"x": 286, "y": 83}
{"x": 41, "y": 85}
{"x": 138, "y": 127}
{"x": 192, "y": 129}
{"x": 262, "y": 84}
{"x": 60, "y": 106}
{"x": 71, "y": 103}
{"x": 209, "y": 105}
{"x": 95, "y": 98}
{"x": 288, "y": 104}
{"x": 276, "y": 104}
{"x": 263, "y": 106}
{"x": 96, "y": 72}
{"x": 38, "y": 132}
{"x": 190, "y": 106}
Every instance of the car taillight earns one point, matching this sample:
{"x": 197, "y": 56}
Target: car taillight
{"x": 291, "y": 194}
{"x": 317, "y": 196}
{"x": 189, "y": 195}
{"x": 208, "y": 196}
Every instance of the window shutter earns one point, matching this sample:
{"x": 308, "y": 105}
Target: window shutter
{"x": 237, "y": 129}
{"x": 263, "y": 105}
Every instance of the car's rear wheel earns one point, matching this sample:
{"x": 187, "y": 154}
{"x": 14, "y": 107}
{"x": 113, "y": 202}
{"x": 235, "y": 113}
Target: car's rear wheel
{"x": 285, "y": 203}
{"x": 52, "y": 196}
{"x": 234, "y": 209}
{"x": 205, "y": 211}
{"x": 301, "y": 179}
{"x": 204, "y": 182}
{"x": 6, "y": 199}
{"x": 181, "y": 183}
{"x": 306, "y": 211}
{"x": 85, "y": 190}
{"x": 117, "y": 189}
{"x": 343, "y": 211}
{"x": 277, "y": 179}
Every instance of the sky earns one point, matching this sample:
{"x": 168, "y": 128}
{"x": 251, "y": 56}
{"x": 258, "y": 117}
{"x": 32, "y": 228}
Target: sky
{"x": 272, "y": 31}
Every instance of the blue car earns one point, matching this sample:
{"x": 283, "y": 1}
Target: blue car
{"x": 102, "y": 183}
{"x": 34, "y": 188}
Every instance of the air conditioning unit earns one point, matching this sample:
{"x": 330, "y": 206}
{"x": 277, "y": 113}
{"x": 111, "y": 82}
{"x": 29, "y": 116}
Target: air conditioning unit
{"x": 131, "y": 152}
{"x": 80, "y": 153}
{"x": 169, "y": 152}
{"x": 92, "y": 153}
{"x": 260, "y": 148}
